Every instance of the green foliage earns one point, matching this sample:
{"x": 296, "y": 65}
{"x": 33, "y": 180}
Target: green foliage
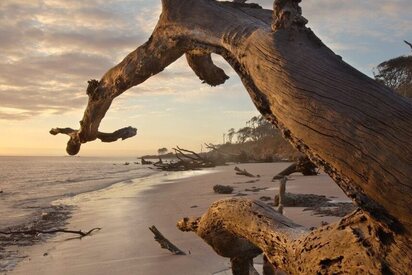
{"x": 259, "y": 140}
{"x": 256, "y": 129}
{"x": 396, "y": 73}
{"x": 162, "y": 151}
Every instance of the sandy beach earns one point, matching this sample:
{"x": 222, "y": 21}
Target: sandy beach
{"x": 124, "y": 211}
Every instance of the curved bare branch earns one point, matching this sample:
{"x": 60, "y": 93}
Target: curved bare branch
{"x": 356, "y": 129}
{"x": 355, "y": 245}
{"x": 204, "y": 68}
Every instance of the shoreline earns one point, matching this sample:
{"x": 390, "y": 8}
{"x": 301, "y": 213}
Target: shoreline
{"x": 57, "y": 214}
{"x": 126, "y": 210}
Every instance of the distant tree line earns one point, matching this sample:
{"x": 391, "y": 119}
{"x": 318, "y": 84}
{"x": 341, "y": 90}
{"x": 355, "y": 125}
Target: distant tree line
{"x": 162, "y": 151}
{"x": 396, "y": 73}
{"x": 256, "y": 129}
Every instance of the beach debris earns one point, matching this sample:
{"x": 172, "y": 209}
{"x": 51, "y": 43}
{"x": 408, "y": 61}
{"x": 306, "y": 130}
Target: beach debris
{"x": 256, "y": 189}
{"x": 240, "y": 194}
{"x": 302, "y": 165}
{"x": 52, "y": 231}
{"x": 243, "y": 172}
{"x": 136, "y": 162}
{"x": 193, "y": 206}
{"x": 265, "y": 198}
{"x": 160, "y": 161}
{"x": 240, "y": 251}
{"x": 338, "y": 209}
{"x": 319, "y": 204}
{"x": 146, "y": 162}
{"x": 281, "y": 196}
{"x": 187, "y": 160}
{"x": 165, "y": 243}
{"x": 126, "y": 163}
{"x": 301, "y": 200}
{"x": 223, "y": 189}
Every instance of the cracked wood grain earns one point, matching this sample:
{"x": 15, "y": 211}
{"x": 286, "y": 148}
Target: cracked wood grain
{"x": 356, "y": 129}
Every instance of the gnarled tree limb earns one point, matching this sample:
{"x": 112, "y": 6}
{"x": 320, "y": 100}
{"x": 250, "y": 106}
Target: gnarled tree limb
{"x": 355, "y": 129}
{"x": 204, "y": 68}
{"x": 243, "y": 172}
{"x": 355, "y": 245}
{"x": 123, "y": 134}
{"x": 303, "y": 165}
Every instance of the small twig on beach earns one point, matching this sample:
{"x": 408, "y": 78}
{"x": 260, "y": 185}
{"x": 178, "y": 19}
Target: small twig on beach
{"x": 165, "y": 243}
{"x": 243, "y": 172}
{"x": 34, "y": 232}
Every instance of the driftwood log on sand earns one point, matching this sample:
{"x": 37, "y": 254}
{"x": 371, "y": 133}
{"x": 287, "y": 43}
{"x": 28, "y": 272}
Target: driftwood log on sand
{"x": 51, "y": 231}
{"x": 187, "y": 160}
{"x": 302, "y": 165}
{"x": 243, "y": 172}
{"x": 355, "y": 129}
{"x": 165, "y": 243}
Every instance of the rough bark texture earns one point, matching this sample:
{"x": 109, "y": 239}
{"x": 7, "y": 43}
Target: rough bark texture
{"x": 355, "y": 245}
{"x": 354, "y": 128}
{"x": 73, "y": 147}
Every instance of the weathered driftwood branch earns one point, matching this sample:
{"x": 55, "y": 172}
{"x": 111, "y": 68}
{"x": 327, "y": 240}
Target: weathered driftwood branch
{"x": 240, "y": 251}
{"x": 354, "y": 245}
{"x": 243, "y": 172}
{"x": 355, "y": 129}
{"x": 303, "y": 165}
{"x": 282, "y": 191}
{"x": 187, "y": 160}
{"x": 53, "y": 231}
{"x": 197, "y": 156}
{"x": 165, "y": 243}
{"x": 204, "y": 68}
{"x": 183, "y": 152}
{"x": 73, "y": 147}
{"x": 146, "y": 162}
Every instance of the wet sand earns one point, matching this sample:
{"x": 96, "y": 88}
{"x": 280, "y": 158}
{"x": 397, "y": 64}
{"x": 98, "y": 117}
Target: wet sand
{"x": 125, "y": 211}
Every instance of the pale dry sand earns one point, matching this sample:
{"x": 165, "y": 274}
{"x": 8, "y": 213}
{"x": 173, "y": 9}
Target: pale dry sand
{"x": 125, "y": 211}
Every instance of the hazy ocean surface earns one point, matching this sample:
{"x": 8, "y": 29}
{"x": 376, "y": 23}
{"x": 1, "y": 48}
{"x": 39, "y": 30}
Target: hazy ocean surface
{"x": 30, "y": 183}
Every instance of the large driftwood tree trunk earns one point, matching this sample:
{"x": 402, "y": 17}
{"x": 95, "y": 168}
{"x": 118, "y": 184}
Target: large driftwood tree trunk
{"x": 357, "y": 130}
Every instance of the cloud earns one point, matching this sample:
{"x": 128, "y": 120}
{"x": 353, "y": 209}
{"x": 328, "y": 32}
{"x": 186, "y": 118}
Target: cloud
{"x": 50, "y": 48}
{"x": 356, "y": 22}
{"x": 349, "y": 27}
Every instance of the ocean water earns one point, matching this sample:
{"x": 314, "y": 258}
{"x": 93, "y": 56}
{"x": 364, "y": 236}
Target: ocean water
{"x": 28, "y": 184}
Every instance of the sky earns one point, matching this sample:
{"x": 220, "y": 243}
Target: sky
{"x": 49, "y": 49}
